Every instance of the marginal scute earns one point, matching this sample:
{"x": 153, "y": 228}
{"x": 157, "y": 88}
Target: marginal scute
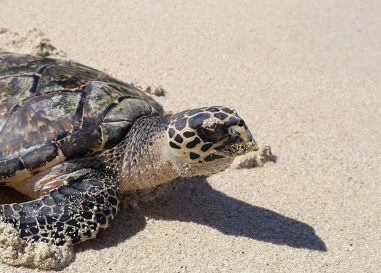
{"x": 9, "y": 167}
{"x": 39, "y": 157}
{"x": 114, "y": 132}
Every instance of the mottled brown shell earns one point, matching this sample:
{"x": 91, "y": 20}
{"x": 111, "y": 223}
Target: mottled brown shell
{"x": 52, "y": 110}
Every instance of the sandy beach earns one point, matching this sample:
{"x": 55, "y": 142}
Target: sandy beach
{"x": 305, "y": 76}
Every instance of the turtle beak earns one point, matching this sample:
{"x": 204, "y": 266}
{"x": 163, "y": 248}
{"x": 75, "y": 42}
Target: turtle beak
{"x": 250, "y": 142}
{"x": 240, "y": 140}
{"x": 242, "y": 135}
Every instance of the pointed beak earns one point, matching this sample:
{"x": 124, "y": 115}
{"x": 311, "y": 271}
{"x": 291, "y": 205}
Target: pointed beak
{"x": 248, "y": 140}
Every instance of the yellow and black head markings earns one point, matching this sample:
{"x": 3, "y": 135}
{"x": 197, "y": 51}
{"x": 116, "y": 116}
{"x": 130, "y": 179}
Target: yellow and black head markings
{"x": 208, "y": 133}
{"x": 72, "y": 138}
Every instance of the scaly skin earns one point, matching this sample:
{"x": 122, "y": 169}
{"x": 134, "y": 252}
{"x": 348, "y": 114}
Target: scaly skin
{"x": 74, "y": 212}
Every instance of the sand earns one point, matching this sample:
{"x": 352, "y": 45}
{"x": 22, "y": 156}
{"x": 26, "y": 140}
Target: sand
{"x": 305, "y": 75}
{"x": 16, "y": 252}
{"x": 32, "y": 42}
{"x": 254, "y": 159}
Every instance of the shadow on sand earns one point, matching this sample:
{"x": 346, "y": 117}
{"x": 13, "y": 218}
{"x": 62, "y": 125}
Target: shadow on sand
{"x": 194, "y": 200}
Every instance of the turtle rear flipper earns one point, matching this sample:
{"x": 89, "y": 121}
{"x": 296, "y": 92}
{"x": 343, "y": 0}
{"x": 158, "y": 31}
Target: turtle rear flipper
{"x": 74, "y": 212}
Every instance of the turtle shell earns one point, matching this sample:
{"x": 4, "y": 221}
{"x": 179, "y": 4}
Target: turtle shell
{"x": 53, "y": 110}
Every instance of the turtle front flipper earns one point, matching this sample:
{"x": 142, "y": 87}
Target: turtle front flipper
{"x": 74, "y": 212}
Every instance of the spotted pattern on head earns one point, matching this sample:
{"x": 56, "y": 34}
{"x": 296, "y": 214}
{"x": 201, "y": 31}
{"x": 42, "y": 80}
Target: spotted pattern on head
{"x": 195, "y": 134}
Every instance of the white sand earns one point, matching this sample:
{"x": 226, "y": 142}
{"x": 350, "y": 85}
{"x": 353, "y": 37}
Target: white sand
{"x": 305, "y": 75}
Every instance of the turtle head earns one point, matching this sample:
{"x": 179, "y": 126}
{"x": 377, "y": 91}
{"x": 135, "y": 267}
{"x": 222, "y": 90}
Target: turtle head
{"x": 206, "y": 140}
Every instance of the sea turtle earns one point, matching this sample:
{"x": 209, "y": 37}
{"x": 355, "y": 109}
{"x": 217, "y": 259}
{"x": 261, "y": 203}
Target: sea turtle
{"x": 73, "y": 139}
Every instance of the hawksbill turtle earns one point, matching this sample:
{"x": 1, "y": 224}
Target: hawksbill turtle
{"x": 73, "y": 140}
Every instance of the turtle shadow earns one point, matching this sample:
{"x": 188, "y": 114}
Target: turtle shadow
{"x": 194, "y": 200}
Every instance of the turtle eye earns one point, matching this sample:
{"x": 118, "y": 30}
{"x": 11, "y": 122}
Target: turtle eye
{"x": 214, "y": 133}
{"x": 232, "y": 131}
